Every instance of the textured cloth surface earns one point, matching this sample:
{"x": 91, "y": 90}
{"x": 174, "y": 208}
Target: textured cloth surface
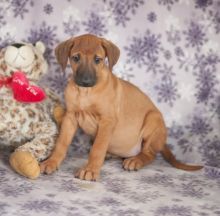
{"x": 171, "y": 50}
{"x": 157, "y": 190}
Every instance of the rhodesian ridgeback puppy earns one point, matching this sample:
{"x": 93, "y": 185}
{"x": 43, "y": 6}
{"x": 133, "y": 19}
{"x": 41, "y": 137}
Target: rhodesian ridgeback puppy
{"x": 121, "y": 118}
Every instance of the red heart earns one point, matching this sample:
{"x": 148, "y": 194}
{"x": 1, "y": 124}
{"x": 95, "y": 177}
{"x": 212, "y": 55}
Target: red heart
{"x": 23, "y": 92}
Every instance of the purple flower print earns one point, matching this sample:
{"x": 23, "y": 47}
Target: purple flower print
{"x": 216, "y": 21}
{"x": 125, "y": 212}
{"x": 179, "y": 52}
{"x": 176, "y": 131}
{"x": 206, "y": 85}
{"x": 16, "y": 190}
{"x": 158, "y": 180}
{"x": 192, "y": 189}
{"x": 71, "y": 27}
{"x": 212, "y": 172}
{"x": 185, "y": 145}
{"x": 215, "y": 107}
{"x": 144, "y": 51}
{"x": 6, "y": 40}
{"x": 136, "y": 51}
{"x": 167, "y": 92}
{"x": 152, "y": 17}
{"x": 175, "y": 210}
{"x": 95, "y": 25}
{"x": 45, "y": 33}
{"x": 3, "y": 207}
{"x": 205, "y": 73}
{"x": 167, "y": 55}
{"x": 167, "y": 89}
{"x": 109, "y": 201}
{"x": 48, "y": 9}
{"x": 195, "y": 35}
{"x": 43, "y": 205}
{"x": 68, "y": 186}
{"x": 152, "y": 65}
{"x": 173, "y": 36}
{"x": 2, "y": 17}
{"x": 210, "y": 151}
{"x": 199, "y": 126}
{"x": 58, "y": 81}
{"x": 20, "y": 7}
{"x": 152, "y": 44}
{"x": 122, "y": 9}
{"x": 166, "y": 72}
{"x": 167, "y": 3}
{"x": 203, "y": 4}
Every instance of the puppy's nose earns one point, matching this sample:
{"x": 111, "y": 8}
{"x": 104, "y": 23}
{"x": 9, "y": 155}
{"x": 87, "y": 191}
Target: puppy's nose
{"x": 85, "y": 80}
{"x": 18, "y": 45}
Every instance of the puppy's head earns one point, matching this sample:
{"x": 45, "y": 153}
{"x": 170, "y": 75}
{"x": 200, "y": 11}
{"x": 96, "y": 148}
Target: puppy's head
{"x": 87, "y": 54}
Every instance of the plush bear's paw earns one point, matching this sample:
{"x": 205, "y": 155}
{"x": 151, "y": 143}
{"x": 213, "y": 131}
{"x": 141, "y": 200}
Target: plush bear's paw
{"x": 25, "y": 164}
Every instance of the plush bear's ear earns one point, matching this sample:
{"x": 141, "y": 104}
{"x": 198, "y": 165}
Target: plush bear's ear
{"x": 40, "y": 46}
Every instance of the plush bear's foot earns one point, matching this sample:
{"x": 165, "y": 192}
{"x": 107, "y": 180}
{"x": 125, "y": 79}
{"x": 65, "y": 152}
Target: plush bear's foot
{"x": 25, "y": 164}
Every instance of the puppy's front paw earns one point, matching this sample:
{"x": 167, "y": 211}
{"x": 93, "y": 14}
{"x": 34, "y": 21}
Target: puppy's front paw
{"x": 132, "y": 164}
{"x": 88, "y": 174}
{"x": 48, "y": 166}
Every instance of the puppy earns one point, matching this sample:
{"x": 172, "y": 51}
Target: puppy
{"x": 123, "y": 120}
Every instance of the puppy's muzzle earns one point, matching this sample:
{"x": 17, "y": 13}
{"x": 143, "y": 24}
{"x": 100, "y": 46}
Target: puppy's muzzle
{"x": 85, "y": 79}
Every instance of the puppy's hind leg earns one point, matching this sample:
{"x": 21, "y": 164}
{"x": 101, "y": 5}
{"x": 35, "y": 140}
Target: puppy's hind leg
{"x": 154, "y": 139}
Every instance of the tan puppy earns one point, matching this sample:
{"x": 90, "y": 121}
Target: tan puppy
{"x": 123, "y": 120}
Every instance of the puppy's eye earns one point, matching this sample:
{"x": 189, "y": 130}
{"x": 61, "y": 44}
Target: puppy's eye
{"x": 76, "y": 58}
{"x": 97, "y": 59}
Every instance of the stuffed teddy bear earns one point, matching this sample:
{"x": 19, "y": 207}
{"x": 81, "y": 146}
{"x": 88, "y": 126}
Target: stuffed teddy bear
{"x": 27, "y": 112}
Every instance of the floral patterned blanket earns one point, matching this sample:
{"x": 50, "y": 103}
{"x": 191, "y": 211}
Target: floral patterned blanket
{"x": 156, "y": 190}
{"x": 171, "y": 50}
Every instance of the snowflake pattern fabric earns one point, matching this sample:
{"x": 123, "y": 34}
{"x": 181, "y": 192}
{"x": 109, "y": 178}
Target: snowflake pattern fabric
{"x": 171, "y": 50}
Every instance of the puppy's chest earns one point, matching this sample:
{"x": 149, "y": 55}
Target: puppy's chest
{"x": 86, "y": 112}
{"x": 82, "y": 104}
{"x": 82, "y": 100}
{"x": 87, "y": 121}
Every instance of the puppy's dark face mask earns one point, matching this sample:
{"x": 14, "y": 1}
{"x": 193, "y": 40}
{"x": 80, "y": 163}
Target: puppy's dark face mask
{"x": 85, "y": 75}
{"x": 87, "y": 61}
{"x": 87, "y": 54}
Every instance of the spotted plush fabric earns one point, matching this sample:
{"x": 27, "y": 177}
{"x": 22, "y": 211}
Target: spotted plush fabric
{"x": 28, "y": 126}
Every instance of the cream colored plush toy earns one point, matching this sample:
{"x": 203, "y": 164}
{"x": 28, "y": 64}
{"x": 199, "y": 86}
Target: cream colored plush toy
{"x": 27, "y": 112}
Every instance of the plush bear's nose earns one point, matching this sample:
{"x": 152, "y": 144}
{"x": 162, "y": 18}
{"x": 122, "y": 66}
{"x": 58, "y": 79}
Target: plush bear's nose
{"x": 17, "y": 45}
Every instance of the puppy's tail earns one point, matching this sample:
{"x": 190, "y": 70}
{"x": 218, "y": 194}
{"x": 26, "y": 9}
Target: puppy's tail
{"x": 169, "y": 157}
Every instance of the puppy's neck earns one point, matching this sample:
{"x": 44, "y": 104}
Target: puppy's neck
{"x": 82, "y": 91}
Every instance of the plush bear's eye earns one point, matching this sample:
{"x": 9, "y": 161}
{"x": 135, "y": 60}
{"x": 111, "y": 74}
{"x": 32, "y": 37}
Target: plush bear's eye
{"x": 18, "y": 45}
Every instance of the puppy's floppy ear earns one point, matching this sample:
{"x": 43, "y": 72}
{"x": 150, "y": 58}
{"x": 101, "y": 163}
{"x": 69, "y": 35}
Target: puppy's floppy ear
{"x": 62, "y": 52}
{"x": 112, "y": 52}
